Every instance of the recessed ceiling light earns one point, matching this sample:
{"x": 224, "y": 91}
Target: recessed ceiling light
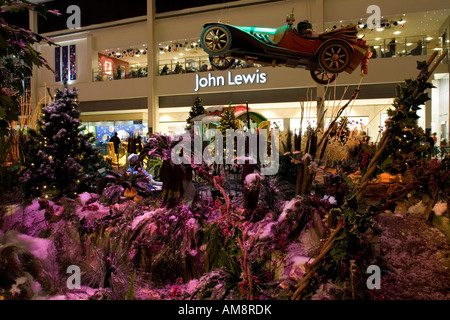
{"x": 397, "y": 32}
{"x": 377, "y": 39}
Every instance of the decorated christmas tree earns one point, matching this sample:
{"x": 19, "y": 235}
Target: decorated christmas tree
{"x": 408, "y": 139}
{"x": 196, "y": 110}
{"x": 228, "y": 120}
{"x": 59, "y": 158}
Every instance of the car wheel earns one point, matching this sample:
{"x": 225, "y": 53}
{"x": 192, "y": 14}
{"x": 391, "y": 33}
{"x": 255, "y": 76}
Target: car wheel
{"x": 221, "y": 62}
{"x": 322, "y": 77}
{"x": 334, "y": 56}
{"x": 216, "y": 40}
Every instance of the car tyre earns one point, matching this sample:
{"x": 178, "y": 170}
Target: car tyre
{"x": 221, "y": 62}
{"x": 322, "y": 77}
{"x": 215, "y": 40}
{"x": 334, "y": 56}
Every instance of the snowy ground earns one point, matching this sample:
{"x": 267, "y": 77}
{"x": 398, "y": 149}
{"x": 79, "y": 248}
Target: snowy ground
{"x": 419, "y": 258}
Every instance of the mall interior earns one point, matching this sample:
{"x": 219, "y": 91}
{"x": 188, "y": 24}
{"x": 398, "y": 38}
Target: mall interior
{"x": 139, "y": 73}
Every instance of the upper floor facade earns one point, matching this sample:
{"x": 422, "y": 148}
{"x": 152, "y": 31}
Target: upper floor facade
{"x": 124, "y": 59}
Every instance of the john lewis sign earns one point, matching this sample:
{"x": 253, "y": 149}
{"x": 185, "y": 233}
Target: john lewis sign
{"x": 231, "y": 79}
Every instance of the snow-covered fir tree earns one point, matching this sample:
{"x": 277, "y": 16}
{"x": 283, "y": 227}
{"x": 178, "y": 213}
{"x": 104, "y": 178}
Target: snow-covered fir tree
{"x": 59, "y": 156}
{"x": 196, "y": 110}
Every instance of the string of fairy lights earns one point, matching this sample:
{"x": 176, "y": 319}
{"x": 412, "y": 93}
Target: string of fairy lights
{"x": 362, "y": 26}
{"x": 174, "y": 46}
{"x": 131, "y": 52}
{"x": 171, "y": 46}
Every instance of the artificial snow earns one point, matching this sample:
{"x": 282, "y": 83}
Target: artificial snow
{"x": 214, "y": 109}
{"x": 252, "y": 178}
{"x": 136, "y": 221}
{"x": 30, "y": 220}
{"x": 42, "y": 249}
{"x": 289, "y": 205}
{"x": 85, "y": 197}
{"x": 267, "y": 231}
{"x": 440, "y": 208}
{"x": 419, "y": 208}
{"x": 330, "y": 199}
{"x": 210, "y": 119}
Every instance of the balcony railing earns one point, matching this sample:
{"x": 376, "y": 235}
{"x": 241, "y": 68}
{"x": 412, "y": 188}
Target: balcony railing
{"x": 102, "y": 75}
{"x": 199, "y": 64}
{"x": 405, "y": 46}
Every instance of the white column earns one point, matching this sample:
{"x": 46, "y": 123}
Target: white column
{"x": 318, "y": 22}
{"x": 152, "y": 99}
{"x": 92, "y": 59}
{"x": 34, "y": 78}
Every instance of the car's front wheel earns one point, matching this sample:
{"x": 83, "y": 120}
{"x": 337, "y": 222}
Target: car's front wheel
{"x": 215, "y": 40}
{"x": 334, "y": 56}
{"x": 322, "y": 77}
{"x": 221, "y": 62}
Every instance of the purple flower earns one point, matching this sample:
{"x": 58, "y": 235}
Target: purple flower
{"x": 55, "y": 12}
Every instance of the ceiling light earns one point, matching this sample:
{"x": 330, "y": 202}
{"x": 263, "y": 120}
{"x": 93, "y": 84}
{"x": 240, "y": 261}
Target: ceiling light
{"x": 437, "y": 49}
{"x": 181, "y": 54}
{"x": 397, "y": 32}
{"x": 376, "y": 47}
{"x": 409, "y": 44}
{"x": 377, "y": 39}
{"x": 380, "y": 29}
{"x": 429, "y": 38}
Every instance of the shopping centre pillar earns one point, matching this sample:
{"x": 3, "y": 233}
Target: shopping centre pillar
{"x": 427, "y": 113}
{"x": 318, "y": 23}
{"x": 320, "y": 108}
{"x": 33, "y": 81}
{"x": 152, "y": 102}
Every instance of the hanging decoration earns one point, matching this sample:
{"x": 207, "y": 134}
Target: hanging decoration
{"x": 57, "y": 64}
{"x": 174, "y": 46}
{"x": 385, "y": 24}
{"x": 72, "y": 65}
{"x": 65, "y": 60}
{"x": 127, "y": 53}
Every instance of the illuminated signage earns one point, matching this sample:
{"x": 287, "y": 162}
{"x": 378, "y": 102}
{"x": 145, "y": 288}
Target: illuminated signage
{"x": 230, "y": 80}
{"x": 108, "y": 67}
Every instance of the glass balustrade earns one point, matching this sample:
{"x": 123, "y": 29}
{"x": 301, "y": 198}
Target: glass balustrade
{"x": 199, "y": 64}
{"x": 119, "y": 73}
